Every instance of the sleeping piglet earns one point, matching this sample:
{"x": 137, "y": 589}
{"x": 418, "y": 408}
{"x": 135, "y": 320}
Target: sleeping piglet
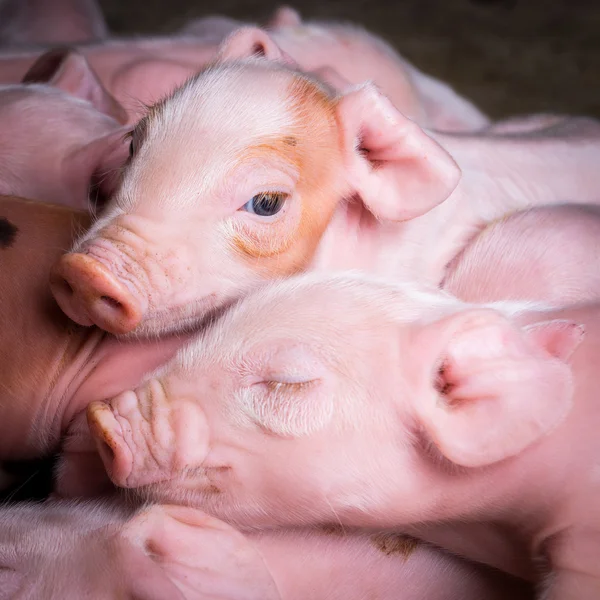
{"x": 255, "y": 170}
{"x": 377, "y": 406}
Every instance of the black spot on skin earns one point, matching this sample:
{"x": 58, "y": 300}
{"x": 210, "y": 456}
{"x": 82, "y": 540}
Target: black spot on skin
{"x": 290, "y": 141}
{"x": 8, "y": 233}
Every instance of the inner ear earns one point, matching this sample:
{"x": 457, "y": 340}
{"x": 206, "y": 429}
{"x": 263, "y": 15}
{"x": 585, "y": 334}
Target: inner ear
{"x": 259, "y": 50}
{"x": 45, "y": 68}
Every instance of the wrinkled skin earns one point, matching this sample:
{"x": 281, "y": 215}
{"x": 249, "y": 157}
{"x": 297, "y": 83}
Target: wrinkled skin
{"x": 61, "y": 134}
{"x": 397, "y": 206}
{"x": 63, "y": 551}
{"x": 481, "y": 414}
{"x": 548, "y": 254}
{"x": 47, "y": 22}
{"x": 50, "y": 368}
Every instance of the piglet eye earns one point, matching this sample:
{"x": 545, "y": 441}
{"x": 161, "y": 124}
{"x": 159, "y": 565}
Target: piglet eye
{"x": 131, "y": 148}
{"x": 266, "y": 204}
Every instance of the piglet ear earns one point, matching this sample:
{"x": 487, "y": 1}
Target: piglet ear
{"x": 559, "y": 338}
{"x": 398, "y": 171}
{"x": 251, "y": 41}
{"x": 284, "y": 16}
{"x": 69, "y": 71}
{"x": 499, "y": 387}
{"x": 100, "y": 163}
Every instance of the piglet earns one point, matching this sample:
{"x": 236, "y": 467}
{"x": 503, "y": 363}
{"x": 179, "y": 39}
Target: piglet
{"x": 481, "y": 413}
{"x": 357, "y": 56}
{"x": 291, "y": 176}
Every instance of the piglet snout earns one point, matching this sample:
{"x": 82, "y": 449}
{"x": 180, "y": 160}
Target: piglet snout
{"x": 110, "y": 442}
{"x": 89, "y": 293}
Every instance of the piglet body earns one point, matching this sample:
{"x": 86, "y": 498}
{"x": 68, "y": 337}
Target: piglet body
{"x": 548, "y": 254}
{"x": 312, "y": 180}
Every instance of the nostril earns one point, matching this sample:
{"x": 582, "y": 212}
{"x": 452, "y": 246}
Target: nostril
{"x": 112, "y": 303}
{"x": 63, "y": 286}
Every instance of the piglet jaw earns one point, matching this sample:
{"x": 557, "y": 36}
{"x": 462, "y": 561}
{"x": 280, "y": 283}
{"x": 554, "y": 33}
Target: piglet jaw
{"x": 144, "y": 437}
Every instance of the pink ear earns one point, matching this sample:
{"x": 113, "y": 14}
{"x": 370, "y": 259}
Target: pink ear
{"x": 397, "y": 169}
{"x": 69, "y": 71}
{"x": 559, "y": 338}
{"x": 100, "y": 164}
{"x": 499, "y": 388}
{"x": 284, "y": 16}
{"x": 251, "y": 41}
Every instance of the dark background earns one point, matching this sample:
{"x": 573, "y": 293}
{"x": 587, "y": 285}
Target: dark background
{"x": 508, "y": 56}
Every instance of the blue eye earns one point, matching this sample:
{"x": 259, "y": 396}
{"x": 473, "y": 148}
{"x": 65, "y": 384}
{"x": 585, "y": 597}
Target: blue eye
{"x": 266, "y": 204}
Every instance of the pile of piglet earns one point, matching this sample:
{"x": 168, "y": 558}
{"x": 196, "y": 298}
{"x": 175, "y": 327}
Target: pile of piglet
{"x": 285, "y": 318}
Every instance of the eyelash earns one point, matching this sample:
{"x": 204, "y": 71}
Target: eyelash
{"x": 279, "y": 386}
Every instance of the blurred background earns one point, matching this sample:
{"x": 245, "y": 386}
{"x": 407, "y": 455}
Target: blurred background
{"x": 508, "y": 56}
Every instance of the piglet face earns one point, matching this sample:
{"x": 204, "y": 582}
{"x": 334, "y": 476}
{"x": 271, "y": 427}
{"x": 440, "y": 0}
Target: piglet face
{"x": 261, "y": 424}
{"x": 236, "y": 189}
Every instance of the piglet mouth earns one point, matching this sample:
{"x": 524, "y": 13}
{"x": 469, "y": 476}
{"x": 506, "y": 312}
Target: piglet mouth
{"x": 189, "y": 318}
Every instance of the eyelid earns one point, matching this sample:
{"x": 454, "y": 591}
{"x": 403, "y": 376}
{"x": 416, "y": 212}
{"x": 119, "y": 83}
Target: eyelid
{"x": 277, "y": 386}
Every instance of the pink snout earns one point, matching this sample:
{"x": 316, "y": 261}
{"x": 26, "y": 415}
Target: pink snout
{"x": 143, "y": 437}
{"x": 90, "y": 294}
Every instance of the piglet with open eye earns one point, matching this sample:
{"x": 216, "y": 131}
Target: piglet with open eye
{"x": 254, "y": 171}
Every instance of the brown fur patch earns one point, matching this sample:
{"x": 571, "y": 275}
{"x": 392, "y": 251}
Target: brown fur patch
{"x": 313, "y": 148}
{"x": 395, "y": 543}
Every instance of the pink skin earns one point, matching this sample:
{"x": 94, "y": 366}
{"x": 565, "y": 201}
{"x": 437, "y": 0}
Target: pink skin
{"x": 479, "y": 412}
{"x": 141, "y": 72}
{"x": 60, "y": 133}
{"x": 50, "y": 371}
{"x": 49, "y": 22}
{"x": 547, "y": 254}
{"x": 358, "y": 56}
{"x": 68, "y": 551}
{"x": 398, "y": 208}
{"x": 49, "y": 368}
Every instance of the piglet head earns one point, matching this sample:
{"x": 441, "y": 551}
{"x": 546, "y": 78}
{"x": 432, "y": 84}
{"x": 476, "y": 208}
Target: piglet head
{"x": 235, "y": 180}
{"x": 332, "y": 407}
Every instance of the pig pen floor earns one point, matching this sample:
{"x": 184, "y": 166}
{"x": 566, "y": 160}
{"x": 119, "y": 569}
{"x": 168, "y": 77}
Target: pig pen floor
{"x": 508, "y": 56}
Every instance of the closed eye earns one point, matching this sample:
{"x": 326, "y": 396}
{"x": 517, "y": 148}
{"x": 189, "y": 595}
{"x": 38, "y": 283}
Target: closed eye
{"x": 281, "y": 386}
